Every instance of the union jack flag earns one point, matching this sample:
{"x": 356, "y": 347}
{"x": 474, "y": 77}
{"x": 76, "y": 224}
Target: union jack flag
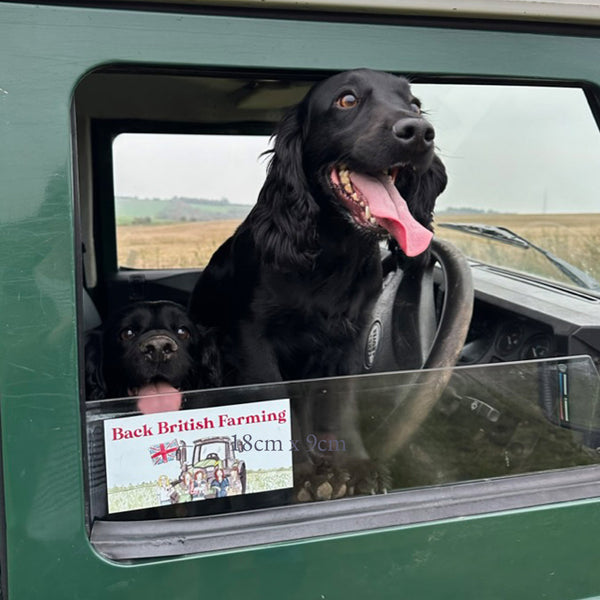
{"x": 162, "y": 453}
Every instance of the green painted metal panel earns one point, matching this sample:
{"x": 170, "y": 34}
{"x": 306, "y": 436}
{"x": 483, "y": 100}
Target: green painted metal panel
{"x": 44, "y": 51}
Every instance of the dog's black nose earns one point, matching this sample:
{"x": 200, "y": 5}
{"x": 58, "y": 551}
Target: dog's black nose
{"x": 414, "y": 132}
{"x": 159, "y": 348}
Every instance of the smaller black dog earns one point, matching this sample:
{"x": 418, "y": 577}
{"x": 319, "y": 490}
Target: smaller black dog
{"x": 150, "y": 348}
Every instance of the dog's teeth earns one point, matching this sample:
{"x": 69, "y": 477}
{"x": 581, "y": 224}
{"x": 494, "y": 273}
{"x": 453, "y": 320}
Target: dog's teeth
{"x": 344, "y": 177}
{"x": 348, "y": 187}
{"x": 373, "y": 221}
{"x": 367, "y": 213}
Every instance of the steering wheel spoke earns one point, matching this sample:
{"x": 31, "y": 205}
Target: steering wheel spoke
{"x": 412, "y": 338}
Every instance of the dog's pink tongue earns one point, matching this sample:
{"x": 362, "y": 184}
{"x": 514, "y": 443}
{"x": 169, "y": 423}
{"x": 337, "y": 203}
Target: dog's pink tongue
{"x": 391, "y": 212}
{"x": 158, "y": 397}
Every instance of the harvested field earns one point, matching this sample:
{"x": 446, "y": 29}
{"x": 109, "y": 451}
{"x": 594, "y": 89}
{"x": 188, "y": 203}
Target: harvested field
{"x": 573, "y": 237}
{"x": 176, "y": 245}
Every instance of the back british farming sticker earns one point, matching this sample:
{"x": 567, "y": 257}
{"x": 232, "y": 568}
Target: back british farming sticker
{"x": 184, "y": 456}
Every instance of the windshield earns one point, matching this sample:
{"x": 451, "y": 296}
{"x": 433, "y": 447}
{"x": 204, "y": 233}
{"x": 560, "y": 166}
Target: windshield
{"x": 522, "y": 158}
{"x": 523, "y": 254}
{"x": 215, "y": 451}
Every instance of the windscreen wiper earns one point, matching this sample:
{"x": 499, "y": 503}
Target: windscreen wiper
{"x": 506, "y": 236}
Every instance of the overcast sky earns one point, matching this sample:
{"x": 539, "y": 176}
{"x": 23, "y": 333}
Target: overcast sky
{"x": 517, "y": 149}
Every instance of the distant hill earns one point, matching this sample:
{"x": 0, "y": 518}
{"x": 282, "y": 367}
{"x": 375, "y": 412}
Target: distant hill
{"x": 131, "y": 210}
{"x": 465, "y": 210}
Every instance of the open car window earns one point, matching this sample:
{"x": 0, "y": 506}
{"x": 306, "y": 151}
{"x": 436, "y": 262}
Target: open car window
{"x": 169, "y": 186}
{"x": 177, "y": 197}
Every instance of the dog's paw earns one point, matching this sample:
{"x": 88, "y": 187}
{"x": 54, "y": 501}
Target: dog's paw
{"x": 368, "y": 478}
{"x": 329, "y": 480}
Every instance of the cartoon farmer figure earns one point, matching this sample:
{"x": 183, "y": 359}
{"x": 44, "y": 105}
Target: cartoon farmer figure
{"x": 199, "y": 487}
{"x": 220, "y": 483}
{"x": 165, "y": 490}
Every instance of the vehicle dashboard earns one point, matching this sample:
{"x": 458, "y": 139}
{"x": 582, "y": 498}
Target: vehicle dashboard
{"x": 518, "y": 318}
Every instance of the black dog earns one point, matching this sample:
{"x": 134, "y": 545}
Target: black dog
{"x": 353, "y": 164}
{"x": 150, "y": 348}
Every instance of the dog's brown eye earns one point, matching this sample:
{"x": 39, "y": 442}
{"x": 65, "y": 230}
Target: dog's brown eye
{"x": 127, "y": 334}
{"x": 347, "y": 100}
{"x": 415, "y": 108}
{"x": 183, "y": 333}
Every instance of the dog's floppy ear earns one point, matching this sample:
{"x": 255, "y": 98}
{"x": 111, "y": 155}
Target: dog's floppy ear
{"x": 421, "y": 191}
{"x": 284, "y": 218}
{"x": 210, "y": 367}
{"x": 95, "y": 386}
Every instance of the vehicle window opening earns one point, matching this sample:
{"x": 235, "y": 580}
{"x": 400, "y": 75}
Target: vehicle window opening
{"x": 521, "y": 402}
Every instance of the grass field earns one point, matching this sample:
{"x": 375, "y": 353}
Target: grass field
{"x": 176, "y": 245}
{"x": 147, "y": 210}
{"x": 573, "y": 237}
{"x": 145, "y": 495}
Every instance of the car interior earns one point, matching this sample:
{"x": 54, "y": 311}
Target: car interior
{"x": 527, "y": 336}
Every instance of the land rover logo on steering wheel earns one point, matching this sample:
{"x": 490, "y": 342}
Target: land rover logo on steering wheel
{"x": 372, "y": 343}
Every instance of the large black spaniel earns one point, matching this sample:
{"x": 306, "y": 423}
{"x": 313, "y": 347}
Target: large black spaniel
{"x": 353, "y": 164}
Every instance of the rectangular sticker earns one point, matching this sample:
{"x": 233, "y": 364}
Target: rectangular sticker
{"x": 193, "y": 455}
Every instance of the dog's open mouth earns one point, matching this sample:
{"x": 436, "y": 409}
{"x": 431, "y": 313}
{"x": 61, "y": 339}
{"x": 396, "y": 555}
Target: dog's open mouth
{"x": 157, "y": 396}
{"x": 374, "y": 202}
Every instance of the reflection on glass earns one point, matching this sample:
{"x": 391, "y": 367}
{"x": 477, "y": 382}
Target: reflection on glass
{"x": 272, "y": 444}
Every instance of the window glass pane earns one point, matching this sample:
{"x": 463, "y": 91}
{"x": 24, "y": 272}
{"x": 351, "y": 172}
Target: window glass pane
{"x": 255, "y": 446}
{"x": 526, "y": 159}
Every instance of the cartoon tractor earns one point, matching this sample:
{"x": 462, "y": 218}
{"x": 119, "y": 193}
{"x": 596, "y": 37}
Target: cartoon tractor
{"x": 211, "y": 454}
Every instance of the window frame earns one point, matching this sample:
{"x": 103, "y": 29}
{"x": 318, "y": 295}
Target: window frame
{"x": 128, "y": 540}
{"x": 296, "y": 522}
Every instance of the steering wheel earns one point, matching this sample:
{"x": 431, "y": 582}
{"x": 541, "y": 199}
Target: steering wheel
{"x": 409, "y": 332}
